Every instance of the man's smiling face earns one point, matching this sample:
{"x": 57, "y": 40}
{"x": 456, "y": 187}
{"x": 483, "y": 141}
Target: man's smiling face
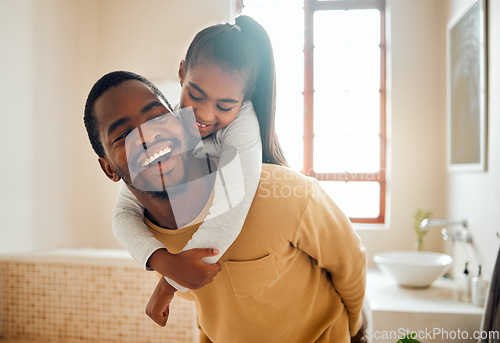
{"x": 135, "y": 123}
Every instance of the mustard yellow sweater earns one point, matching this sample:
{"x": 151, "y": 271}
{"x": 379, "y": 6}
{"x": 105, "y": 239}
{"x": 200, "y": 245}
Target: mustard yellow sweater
{"x": 296, "y": 272}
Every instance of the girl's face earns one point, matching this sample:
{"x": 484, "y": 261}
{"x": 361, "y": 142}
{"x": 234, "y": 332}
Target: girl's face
{"x": 215, "y": 94}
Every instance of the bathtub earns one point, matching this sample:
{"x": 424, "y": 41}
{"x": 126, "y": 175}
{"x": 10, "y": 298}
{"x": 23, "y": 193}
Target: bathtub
{"x": 84, "y": 295}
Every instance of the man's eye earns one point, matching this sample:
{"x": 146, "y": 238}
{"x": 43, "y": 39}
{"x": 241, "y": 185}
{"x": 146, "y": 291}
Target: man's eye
{"x": 161, "y": 116}
{"x": 191, "y": 95}
{"x": 224, "y": 109}
{"x": 122, "y": 136}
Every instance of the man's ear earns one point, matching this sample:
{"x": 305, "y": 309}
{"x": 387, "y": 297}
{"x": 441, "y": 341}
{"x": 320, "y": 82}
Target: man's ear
{"x": 182, "y": 71}
{"x": 108, "y": 169}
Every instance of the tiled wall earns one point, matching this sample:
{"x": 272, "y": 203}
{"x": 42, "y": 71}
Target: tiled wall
{"x": 56, "y": 302}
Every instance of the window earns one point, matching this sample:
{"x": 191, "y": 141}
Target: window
{"x": 342, "y": 55}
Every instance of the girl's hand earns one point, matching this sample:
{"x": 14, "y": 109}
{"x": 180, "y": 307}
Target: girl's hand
{"x": 186, "y": 268}
{"x": 189, "y": 270}
{"x": 158, "y": 306}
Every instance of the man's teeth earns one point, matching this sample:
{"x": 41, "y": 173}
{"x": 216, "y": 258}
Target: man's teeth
{"x": 201, "y": 125}
{"x": 157, "y": 155}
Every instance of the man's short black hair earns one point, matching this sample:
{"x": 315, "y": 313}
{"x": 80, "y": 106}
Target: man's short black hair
{"x": 109, "y": 80}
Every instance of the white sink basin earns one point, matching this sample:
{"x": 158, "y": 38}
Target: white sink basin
{"x": 413, "y": 268}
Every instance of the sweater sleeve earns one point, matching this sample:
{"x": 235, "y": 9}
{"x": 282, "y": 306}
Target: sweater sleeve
{"x": 129, "y": 227}
{"x": 326, "y": 235}
{"x": 238, "y": 174}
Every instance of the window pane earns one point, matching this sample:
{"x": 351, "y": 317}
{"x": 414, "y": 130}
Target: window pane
{"x": 346, "y": 68}
{"x": 347, "y": 91}
{"x": 346, "y": 132}
{"x": 350, "y": 28}
{"x": 355, "y": 199}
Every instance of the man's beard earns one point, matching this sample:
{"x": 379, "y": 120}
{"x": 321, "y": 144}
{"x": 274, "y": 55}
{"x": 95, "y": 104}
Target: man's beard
{"x": 167, "y": 194}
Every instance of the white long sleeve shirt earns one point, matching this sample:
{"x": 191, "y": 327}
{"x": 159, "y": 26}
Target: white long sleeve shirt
{"x": 239, "y": 149}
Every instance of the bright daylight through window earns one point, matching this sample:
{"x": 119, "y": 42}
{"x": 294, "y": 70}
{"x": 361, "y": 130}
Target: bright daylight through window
{"x": 331, "y": 95}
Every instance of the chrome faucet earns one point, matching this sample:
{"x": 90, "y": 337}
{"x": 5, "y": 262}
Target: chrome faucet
{"x": 462, "y": 234}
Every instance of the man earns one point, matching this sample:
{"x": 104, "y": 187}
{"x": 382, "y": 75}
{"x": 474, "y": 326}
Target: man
{"x": 296, "y": 272}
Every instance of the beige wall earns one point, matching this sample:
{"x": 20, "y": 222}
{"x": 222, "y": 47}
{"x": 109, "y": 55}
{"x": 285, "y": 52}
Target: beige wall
{"x": 38, "y": 106}
{"x": 476, "y": 196}
{"x": 15, "y": 179}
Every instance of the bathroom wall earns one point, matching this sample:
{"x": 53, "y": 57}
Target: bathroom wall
{"x": 53, "y": 193}
{"x": 36, "y": 65}
{"x": 476, "y": 195}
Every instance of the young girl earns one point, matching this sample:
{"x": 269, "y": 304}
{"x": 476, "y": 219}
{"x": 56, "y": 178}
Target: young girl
{"x": 218, "y": 58}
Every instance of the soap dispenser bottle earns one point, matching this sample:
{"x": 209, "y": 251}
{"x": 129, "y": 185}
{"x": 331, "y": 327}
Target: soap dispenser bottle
{"x": 479, "y": 288}
{"x": 464, "y": 285}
